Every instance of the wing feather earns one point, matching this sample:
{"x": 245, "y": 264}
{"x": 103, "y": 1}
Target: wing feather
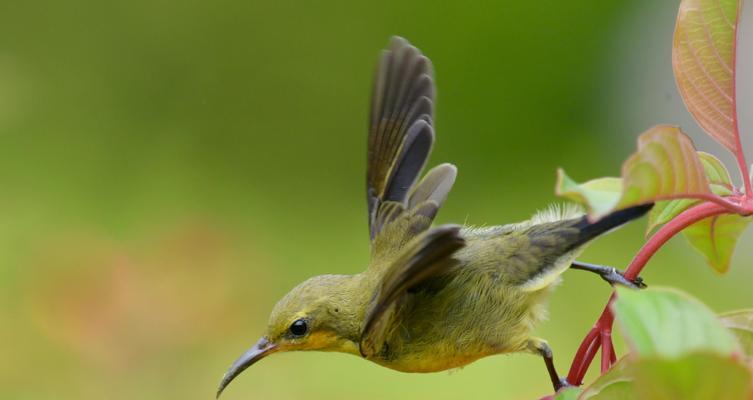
{"x": 401, "y": 137}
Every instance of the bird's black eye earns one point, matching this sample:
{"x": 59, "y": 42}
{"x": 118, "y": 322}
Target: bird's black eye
{"x": 299, "y": 328}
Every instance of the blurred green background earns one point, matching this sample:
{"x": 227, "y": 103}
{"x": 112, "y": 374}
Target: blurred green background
{"x": 168, "y": 170}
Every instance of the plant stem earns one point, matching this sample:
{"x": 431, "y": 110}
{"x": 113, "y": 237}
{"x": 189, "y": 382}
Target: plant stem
{"x": 601, "y": 333}
{"x": 743, "y": 166}
{"x": 607, "y": 349}
{"x": 673, "y": 227}
{"x": 731, "y": 206}
{"x": 739, "y": 154}
{"x": 575, "y": 376}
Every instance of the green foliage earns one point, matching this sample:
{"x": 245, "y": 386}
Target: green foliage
{"x": 679, "y": 350}
{"x": 570, "y": 393}
{"x": 599, "y": 196}
{"x": 741, "y": 324}
{"x": 694, "y": 376}
{"x": 716, "y": 237}
{"x": 667, "y": 170}
{"x": 615, "y": 384}
{"x": 669, "y": 323}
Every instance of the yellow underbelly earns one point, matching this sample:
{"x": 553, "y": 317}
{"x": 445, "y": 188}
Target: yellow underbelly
{"x": 429, "y": 364}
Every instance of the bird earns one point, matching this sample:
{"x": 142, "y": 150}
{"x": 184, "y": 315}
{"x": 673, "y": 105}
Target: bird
{"x": 431, "y": 298}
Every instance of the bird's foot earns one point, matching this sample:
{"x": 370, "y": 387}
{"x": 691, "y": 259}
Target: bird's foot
{"x": 610, "y": 274}
{"x": 563, "y": 384}
{"x": 617, "y": 277}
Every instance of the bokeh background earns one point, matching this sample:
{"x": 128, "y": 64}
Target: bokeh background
{"x": 168, "y": 170}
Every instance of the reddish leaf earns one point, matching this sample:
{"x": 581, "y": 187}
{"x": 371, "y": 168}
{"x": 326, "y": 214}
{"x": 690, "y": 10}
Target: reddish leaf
{"x": 666, "y": 166}
{"x": 720, "y": 184}
{"x": 703, "y": 58}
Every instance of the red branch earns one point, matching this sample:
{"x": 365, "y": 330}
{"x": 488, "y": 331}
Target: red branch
{"x": 600, "y": 336}
{"x": 743, "y": 166}
{"x": 739, "y": 154}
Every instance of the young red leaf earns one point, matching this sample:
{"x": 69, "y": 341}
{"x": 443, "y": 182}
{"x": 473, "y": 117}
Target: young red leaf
{"x": 703, "y": 58}
{"x": 666, "y": 166}
{"x": 720, "y": 184}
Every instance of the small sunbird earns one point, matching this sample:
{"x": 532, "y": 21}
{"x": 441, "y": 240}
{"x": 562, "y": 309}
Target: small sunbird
{"x": 432, "y": 298}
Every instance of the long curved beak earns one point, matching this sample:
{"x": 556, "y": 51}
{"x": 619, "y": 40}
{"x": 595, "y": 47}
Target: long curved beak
{"x": 261, "y": 349}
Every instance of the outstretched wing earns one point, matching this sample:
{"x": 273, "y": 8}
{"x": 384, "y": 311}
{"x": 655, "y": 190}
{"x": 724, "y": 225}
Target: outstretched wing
{"x": 422, "y": 259}
{"x": 400, "y": 139}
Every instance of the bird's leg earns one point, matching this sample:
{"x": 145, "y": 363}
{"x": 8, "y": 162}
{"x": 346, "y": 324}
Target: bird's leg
{"x": 541, "y": 347}
{"x": 609, "y": 274}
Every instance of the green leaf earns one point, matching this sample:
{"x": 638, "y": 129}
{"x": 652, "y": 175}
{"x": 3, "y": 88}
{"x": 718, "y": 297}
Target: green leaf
{"x": 599, "y": 196}
{"x": 668, "y": 323}
{"x": 699, "y": 376}
{"x": 741, "y": 325}
{"x": 703, "y": 59}
{"x": 570, "y": 393}
{"x": 664, "y": 211}
{"x": 720, "y": 183}
{"x": 615, "y": 384}
{"x": 615, "y": 390}
{"x": 716, "y": 172}
{"x": 680, "y": 350}
{"x": 715, "y": 237}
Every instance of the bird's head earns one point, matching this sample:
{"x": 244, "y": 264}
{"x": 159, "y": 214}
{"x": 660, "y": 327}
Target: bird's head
{"x": 323, "y": 313}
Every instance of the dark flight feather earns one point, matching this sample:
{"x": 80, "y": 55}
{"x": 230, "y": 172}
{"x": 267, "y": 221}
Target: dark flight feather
{"x": 401, "y": 136}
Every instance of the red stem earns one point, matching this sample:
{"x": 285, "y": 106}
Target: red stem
{"x": 743, "y": 166}
{"x": 725, "y": 202}
{"x": 589, "y": 356}
{"x": 739, "y": 154}
{"x": 600, "y": 334}
{"x": 606, "y": 350}
{"x": 574, "y": 377}
{"x": 673, "y": 227}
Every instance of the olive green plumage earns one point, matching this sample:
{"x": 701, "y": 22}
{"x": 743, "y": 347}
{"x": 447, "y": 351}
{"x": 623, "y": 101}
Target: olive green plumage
{"x": 431, "y": 298}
